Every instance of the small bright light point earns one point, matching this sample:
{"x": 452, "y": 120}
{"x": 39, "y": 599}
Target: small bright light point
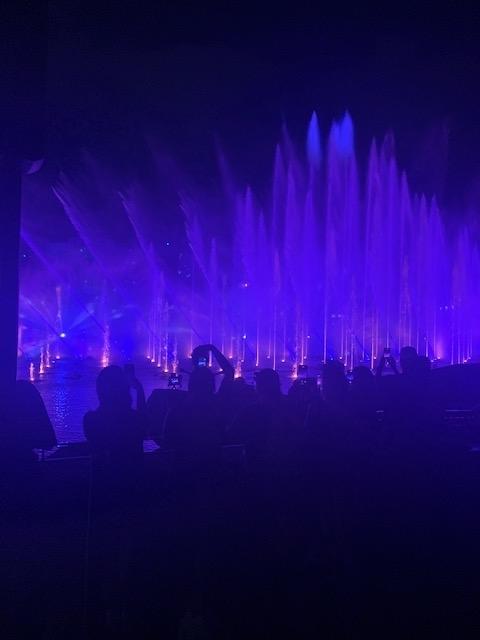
{"x": 244, "y": 337}
{"x": 63, "y": 334}
{"x": 238, "y": 369}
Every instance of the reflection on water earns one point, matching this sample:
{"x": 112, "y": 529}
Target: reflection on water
{"x": 68, "y": 390}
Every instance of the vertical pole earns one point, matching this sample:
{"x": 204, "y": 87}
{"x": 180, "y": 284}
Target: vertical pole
{"x": 22, "y": 75}
{"x": 10, "y": 182}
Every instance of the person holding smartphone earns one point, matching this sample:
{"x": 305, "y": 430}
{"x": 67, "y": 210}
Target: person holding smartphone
{"x": 195, "y": 429}
{"x": 201, "y": 358}
{"x": 387, "y": 362}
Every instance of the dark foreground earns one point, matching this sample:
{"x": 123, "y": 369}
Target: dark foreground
{"x": 342, "y": 540}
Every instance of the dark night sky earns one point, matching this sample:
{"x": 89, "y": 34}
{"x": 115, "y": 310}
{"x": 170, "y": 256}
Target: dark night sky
{"x": 186, "y": 72}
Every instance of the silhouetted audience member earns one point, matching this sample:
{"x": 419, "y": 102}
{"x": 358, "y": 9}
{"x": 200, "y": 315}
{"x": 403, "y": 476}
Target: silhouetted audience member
{"x": 301, "y": 395}
{"x": 195, "y": 429}
{"x": 318, "y": 523}
{"x": 334, "y": 389}
{"x": 327, "y": 415}
{"x": 362, "y": 396}
{"x": 268, "y": 387}
{"x": 31, "y": 427}
{"x": 115, "y": 431}
{"x": 408, "y": 361}
{"x": 236, "y": 397}
{"x": 407, "y": 401}
{"x": 265, "y": 426}
{"x": 242, "y": 389}
{"x": 159, "y": 405}
{"x": 424, "y": 364}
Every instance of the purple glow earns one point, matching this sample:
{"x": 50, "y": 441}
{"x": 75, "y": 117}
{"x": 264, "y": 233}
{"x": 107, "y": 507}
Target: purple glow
{"x": 325, "y": 265}
{"x": 314, "y": 147}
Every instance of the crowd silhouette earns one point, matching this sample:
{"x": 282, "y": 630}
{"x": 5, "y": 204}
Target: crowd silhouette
{"x": 339, "y": 509}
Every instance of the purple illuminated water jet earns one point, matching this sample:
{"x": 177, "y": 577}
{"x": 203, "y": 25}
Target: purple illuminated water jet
{"x": 329, "y": 265}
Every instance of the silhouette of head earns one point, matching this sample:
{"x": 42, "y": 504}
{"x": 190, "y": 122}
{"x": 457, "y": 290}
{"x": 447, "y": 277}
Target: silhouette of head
{"x": 113, "y": 389}
{"x": 334, "y": 382}
{"x": 27, "y": 396}
{"x": 201, "y": 381}
{"x": 267, "y": 384}
{"x": 362, "y": 400}
{"x": 240, "y": 382}
{"x": 408, "y": 359}
{"x": 303, "y": 389}
{"x": 32, "y": 424}
{"x": 333, "y": 370}
{"x": 424, "y": 364}
{"x": 362, "y": 377}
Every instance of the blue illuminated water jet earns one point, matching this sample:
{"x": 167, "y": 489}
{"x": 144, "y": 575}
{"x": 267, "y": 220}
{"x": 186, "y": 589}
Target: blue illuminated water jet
{"x": 327, "y": 265}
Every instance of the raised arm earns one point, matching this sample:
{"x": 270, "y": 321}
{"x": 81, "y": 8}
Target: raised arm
{"x": 223, "y": 362}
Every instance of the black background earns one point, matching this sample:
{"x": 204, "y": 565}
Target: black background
{"x": 186, "y": 74}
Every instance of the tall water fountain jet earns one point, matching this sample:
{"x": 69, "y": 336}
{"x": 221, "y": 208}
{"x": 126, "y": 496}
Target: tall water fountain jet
{"x": 329, "y": 264}
{"x": 42, "y": 366}
{"x": 106, "y": 353}
{"x": 331, "y": 270}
